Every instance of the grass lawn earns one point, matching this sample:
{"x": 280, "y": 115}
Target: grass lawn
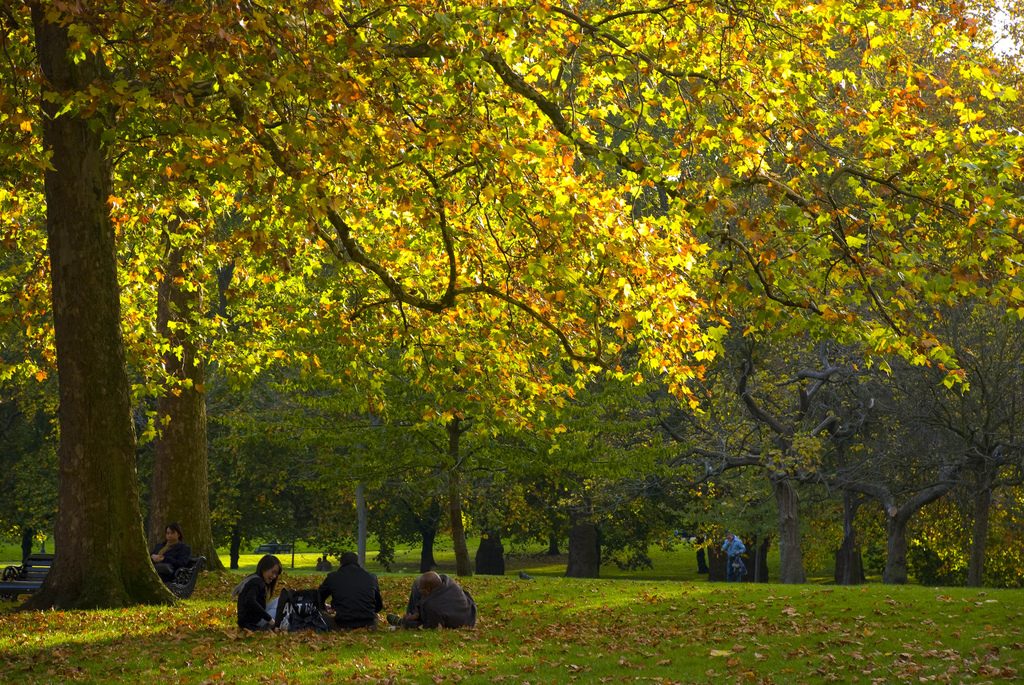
{"x": 662, "y": 625}
{"x": 549, "y": 630}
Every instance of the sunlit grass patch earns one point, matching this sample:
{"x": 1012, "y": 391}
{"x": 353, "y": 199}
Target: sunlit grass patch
{"x": 549, "y": 630}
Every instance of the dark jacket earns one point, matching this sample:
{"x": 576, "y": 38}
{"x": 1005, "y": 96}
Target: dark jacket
{"x": 449, "y": 606}
{"x": 252, "y": 604}
{"x": 354, "y": 594}
{"x": 176, "y": 556}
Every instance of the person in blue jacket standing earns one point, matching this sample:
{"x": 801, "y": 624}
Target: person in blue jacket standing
{"x": 735, "y": 569}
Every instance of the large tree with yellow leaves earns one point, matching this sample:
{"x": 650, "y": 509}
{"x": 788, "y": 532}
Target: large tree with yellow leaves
{"x": 572, "y": 179}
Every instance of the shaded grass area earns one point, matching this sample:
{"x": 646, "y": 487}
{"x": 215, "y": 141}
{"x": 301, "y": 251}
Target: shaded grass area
{"x": 549, "y": 630}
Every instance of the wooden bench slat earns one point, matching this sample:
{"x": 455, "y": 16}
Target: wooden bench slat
{"x": 12, "y": 588}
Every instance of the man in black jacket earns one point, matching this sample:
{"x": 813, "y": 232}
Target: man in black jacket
{"x": 354, "y": 593}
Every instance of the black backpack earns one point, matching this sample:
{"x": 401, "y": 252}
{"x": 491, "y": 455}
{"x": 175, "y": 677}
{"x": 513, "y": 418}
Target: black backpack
{"x": 300, "y": 610}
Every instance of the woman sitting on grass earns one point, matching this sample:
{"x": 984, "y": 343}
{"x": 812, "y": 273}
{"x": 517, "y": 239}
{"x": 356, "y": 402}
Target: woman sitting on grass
{"x": 253, "y": 593}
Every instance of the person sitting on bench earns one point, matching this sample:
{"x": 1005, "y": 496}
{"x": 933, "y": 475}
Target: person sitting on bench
{"x": 172, "y": 554}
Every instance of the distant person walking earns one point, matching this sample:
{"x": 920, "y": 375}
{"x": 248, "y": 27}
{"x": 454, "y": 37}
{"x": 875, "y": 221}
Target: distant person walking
{"x": 735, "y": 569}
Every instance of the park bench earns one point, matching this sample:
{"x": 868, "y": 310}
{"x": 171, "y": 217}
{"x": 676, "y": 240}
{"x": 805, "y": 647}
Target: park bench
{"x": 273, "y": 548}
{"x": 29, "y": 577}
{"x": 184, "y": 582}
{"x": 26, "y": 578}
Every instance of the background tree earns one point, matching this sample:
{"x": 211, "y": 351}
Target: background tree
{"x": 903, "y": 470}
{"x": 28, "y": 445}
{"x": 180, "y": 475}
{"x": 782, "y": 421}
{"x": 982, "y": 423}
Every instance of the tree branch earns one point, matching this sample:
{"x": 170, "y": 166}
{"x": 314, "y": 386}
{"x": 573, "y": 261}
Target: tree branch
{"x": 446, "y": 237}
{"x": 354, "y": 252}
{"x": 758, "y": 412}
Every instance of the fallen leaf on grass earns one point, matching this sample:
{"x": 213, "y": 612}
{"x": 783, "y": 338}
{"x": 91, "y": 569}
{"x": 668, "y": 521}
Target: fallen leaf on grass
{"x": 721, "y": 652}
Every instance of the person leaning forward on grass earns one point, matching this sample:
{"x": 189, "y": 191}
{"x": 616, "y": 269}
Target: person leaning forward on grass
{"x": 437, "y": 601}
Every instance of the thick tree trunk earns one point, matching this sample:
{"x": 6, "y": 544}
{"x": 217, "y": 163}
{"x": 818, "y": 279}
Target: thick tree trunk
{"x": 27, "y": 535}
{"x": 791, "y": 557}
{"x": 986, "y": 472}
{"x": 849, "y": 565}
{"x": 180, "y": 490}
{"x": 716, "y": 564}
{"x": 463, "y": 566}
{"x": 236, "y": 547}
{"x": 101, "y": 555}
{"x": 758, "y": 565}
{"x": 896, "y": 550}
{"x": 427, "y": 526}
{"x": 979, "y": 535}
{"x": 490, "y": 555}
{"x": 427, "y": 536}
{"x": 897, "y": 519}
{"x": 584, "y": 551}
{"x": 553, "y": 550}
